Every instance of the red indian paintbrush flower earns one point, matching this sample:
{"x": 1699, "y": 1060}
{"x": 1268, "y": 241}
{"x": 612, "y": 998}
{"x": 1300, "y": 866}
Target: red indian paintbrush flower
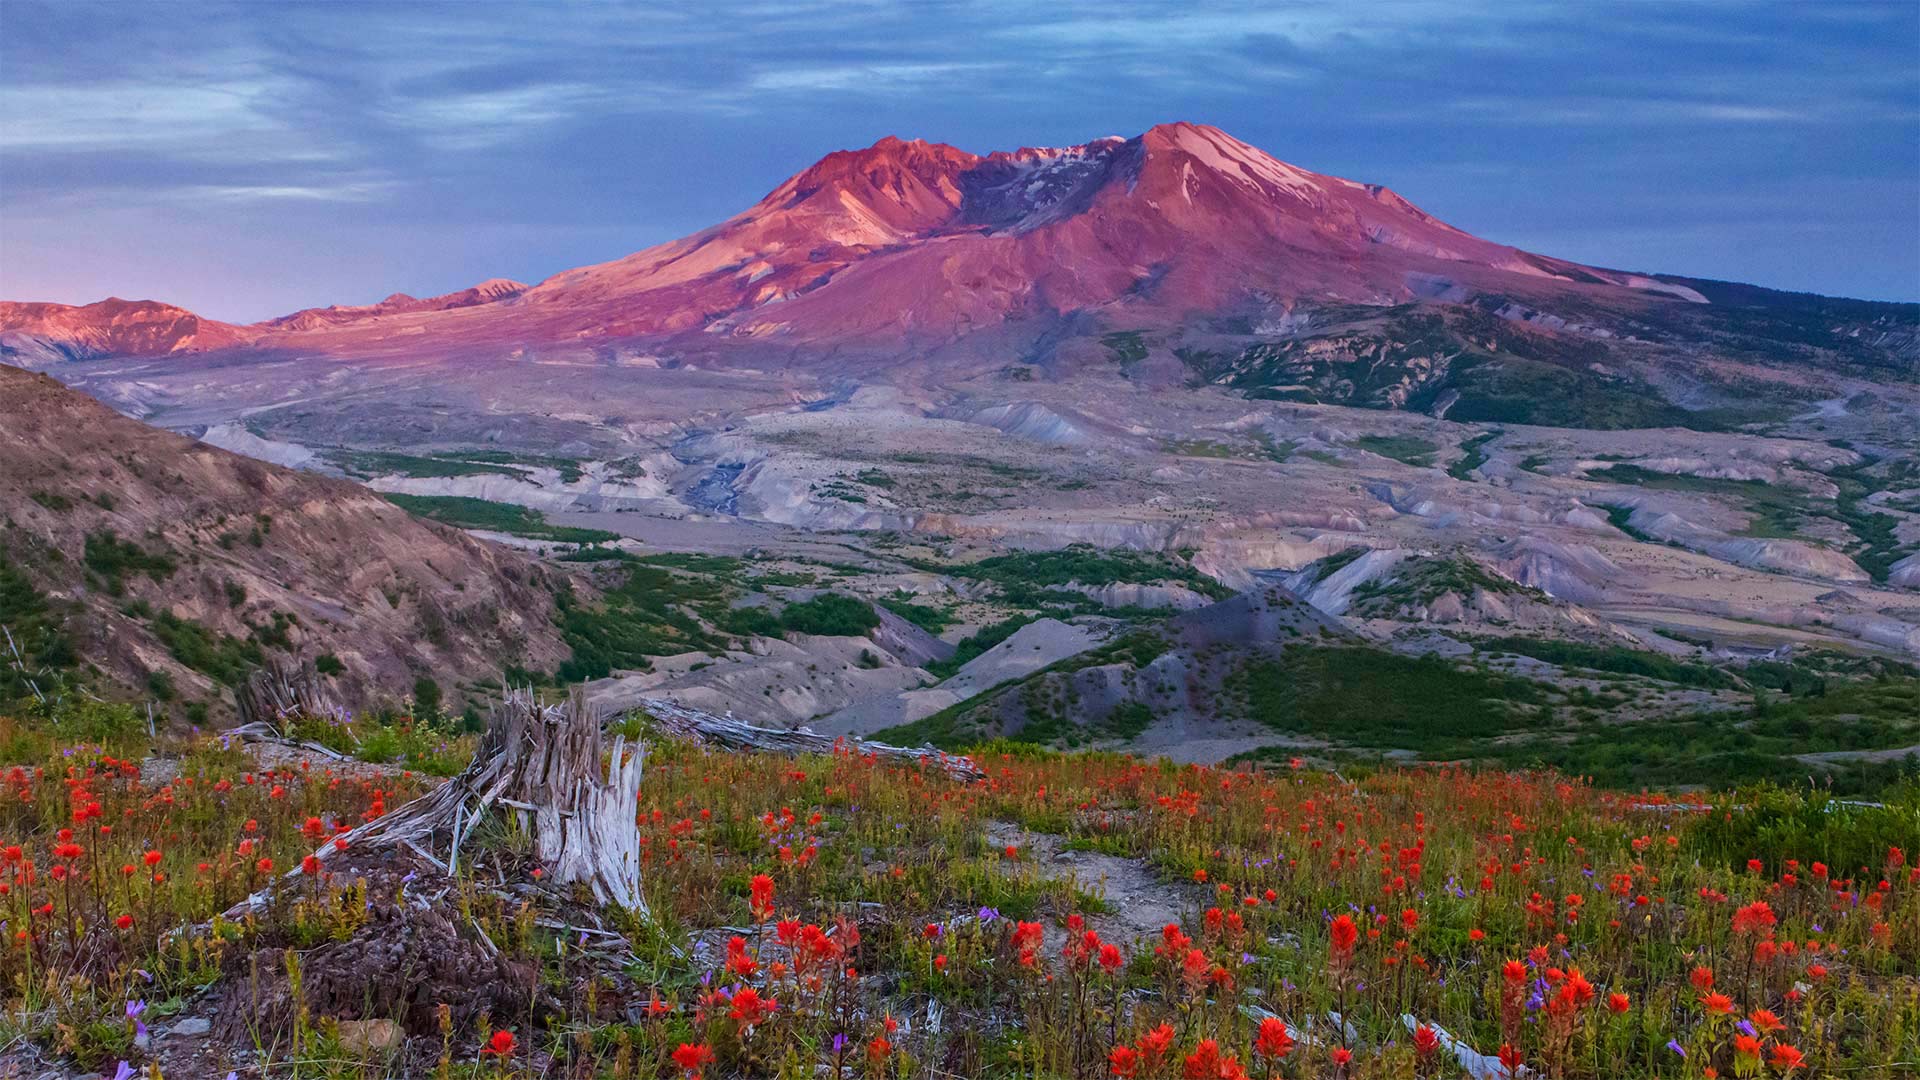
{"x": 692, "y": 1058}
{"x": 1344, "y": 935}
{"x": 1274, "y": 1041}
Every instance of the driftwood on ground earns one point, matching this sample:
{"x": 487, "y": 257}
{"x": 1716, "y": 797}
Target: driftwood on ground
{"x": 737, "y": 735}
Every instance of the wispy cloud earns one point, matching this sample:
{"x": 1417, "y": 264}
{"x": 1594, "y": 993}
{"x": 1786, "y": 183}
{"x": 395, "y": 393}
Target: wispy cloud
{"x": 278, "y": 126}
{"x": 231, "y": 118}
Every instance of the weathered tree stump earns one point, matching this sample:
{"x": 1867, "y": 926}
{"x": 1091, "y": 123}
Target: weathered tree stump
{"x": 282, "y": 689}
{"x": 542, "y": 764}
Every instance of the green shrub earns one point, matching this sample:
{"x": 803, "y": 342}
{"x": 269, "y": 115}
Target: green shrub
{"x": 830, "y": 615}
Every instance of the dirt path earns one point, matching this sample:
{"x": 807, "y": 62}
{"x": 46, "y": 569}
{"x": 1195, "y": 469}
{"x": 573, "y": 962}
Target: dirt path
{"x": 1139, "y": 902}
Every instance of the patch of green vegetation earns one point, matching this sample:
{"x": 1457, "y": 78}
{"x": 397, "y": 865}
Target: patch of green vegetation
{"x": 1778, "y": 510}
{"x": 53, "y": 501}
{"x": 696, "y": 562}
{"x": 1621, "y": 517}
{"x": 646, "y": 615}
{"x": 113, "y": 559}
{"x": 1044, "y": 697}
{"x": 1513, "y": 390}
{"x": 1025, "y": 575}
{"x": 830, "y": 615}
{"x": 1878, "y": 547}
{"x": 364, "y": 464}
{"x": 569, "y": 468}
{"x": 1374, "y": 698}
{"x": 1128, "y": 720}
{"x": 462, "y": 512}
{"x": 1408, "y": 449}
{"x": 933, "y": 619}
{"x": 1728, "y": 748}
{"x": 1472, "y": 455}
{"x": 1276, "y": 451}
{"x": 38, "y": 630}
{"x": 1615, "y": 659}
{"x": 1423, "y": 580}
{"x": 594, "y": 553}
{"x": 1338, "y": 561}
{"x": 749, "y": 622}
{"x": 1126, "y": 347}
{"x": 979, "y": 642}
{"x": 1775, "y": 823}
{"x": 1206, "y": 448}
{"x": 221, "y": 657}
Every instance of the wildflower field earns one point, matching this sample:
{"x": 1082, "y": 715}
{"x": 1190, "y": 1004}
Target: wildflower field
{"x": 840, "y": 916}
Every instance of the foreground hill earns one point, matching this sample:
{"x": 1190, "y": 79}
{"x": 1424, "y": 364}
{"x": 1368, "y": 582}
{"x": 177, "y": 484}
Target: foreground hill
{"x": 854, "y": 915}
{"x": 175, "y": 567}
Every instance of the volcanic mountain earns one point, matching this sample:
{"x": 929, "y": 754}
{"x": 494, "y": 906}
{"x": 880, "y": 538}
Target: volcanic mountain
{"x": 906, "y": 250}
{"x": 926, "y": 241}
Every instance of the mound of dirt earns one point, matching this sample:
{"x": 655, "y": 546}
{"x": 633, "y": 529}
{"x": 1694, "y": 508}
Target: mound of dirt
{"x": 410, "y": 955}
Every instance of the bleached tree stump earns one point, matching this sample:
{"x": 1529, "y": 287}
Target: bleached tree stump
{"x": 280, "y": 690}
{"x": 541, "y": 764}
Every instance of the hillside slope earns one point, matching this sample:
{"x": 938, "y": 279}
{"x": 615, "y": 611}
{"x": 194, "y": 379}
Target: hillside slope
{"x": 177, "y": 566}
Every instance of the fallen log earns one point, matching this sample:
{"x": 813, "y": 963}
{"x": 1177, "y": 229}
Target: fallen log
{"x": 733, "y": 734}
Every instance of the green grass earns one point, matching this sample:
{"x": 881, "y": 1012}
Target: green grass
{"x": 113, "y": 559}
{"x": 1516, "y": 390}
{"x": 830, "y": 615}
{"x": 370, "y": 463}
{"x": 1407, "y": 449}
{"x": 931, "y": 618}
{"x": 38, "y": 628}
{"x": 1372, "y": 698}
{"x": 1614, "y": 659}
{"x": 1472, "y": 455}
{"x": 1726, "y": 748}
{"x": 1024, "y": 573}
{"x": 979, "y": 642}
{"x": 1423, "y": 580}
{"x": 1780, "y": 511}
{"x": 650, "y": 613}
{"x": 465, "y": 513}
{"x": 1621, "y": 517}
{"x": 1206, "y": 448}
{"x": 221, "y": 657}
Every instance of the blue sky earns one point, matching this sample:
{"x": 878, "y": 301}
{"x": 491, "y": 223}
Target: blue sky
{"x": 246, "y": 160}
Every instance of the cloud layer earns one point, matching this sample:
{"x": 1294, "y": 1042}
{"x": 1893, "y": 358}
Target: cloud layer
{"x": 247, "y": 159}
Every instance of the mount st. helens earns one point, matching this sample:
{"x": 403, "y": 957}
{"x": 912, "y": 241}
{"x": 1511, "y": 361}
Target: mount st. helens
{"x": 873, "y": 259}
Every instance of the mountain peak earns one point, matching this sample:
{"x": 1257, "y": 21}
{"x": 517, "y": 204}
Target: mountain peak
{"x": 910, "y": 240}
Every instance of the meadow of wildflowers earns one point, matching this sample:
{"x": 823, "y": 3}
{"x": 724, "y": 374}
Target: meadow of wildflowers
{"x": 841, "y": 916}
